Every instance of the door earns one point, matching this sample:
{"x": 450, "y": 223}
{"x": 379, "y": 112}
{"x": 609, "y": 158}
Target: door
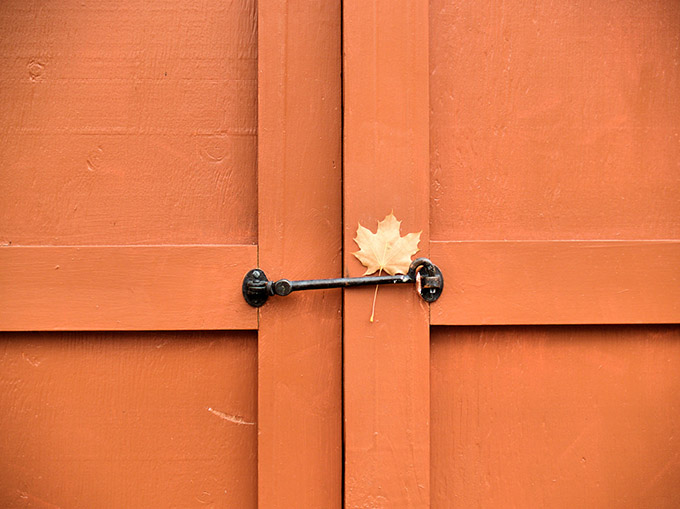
{"x": 535, "y": 145}
{"x": 152, "y": 153}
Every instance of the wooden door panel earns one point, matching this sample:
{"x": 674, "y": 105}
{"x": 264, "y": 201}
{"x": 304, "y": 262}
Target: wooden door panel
{"x": 554, "y": 158}
{"x": 128, "y": 123}
{"x": 128, "y": 142}
{"x": 133, "y": 419}
{"x": 554, "y": 154}
{"x": 559, "y": 416}
{"x": 555, "y": 121}
{"x": 135, "y": 166}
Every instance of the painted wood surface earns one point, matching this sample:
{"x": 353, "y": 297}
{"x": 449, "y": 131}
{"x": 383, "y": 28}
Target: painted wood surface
{"x": 554, "y": 178}
{"x": 138, "y": 419}
{"x": 386, "y": 363}
{"x": 300, "y": 192}
{"x": 125, "y": 287}
{"x": 569, "y": 416}
{"x": 128, "y": 201}
{"x": 557, "y": 282}
{"x": 555, "y": 120}
{"x": 128, "y": 122}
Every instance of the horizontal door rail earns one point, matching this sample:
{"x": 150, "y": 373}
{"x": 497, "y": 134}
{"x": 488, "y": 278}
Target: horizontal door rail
{"x": 558, "y": 282}
{"x": 200, "y": 287}
{"x": 125, "y": 287}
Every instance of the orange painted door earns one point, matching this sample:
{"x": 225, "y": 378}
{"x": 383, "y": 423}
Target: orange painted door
{"x": 151, "y": 153}
{"x": 536, "y": 147}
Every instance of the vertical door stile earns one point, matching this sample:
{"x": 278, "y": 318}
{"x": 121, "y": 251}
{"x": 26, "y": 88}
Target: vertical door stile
{"x": 299, "y": 223}
{"x": 386, "y": 168}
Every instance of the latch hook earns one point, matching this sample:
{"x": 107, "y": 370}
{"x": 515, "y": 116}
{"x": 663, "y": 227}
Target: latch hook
{"x": 257, "y": 288}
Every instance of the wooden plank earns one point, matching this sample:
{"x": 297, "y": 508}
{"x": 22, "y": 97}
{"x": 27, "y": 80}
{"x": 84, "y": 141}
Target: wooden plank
{"x": 565, "y": 127}
{"x": 128, "y": 419}
{"x": 128, "y": 123}
{"x": 299, "y": 178}
{"x": 558, "y": 282}
{"x": 386, "y": 169}
{"x": 125, "y": 287}
{"x": 543, "y": 416}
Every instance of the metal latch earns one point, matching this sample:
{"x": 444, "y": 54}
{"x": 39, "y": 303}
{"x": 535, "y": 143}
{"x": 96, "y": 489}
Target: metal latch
{"x": 426, "y": 275}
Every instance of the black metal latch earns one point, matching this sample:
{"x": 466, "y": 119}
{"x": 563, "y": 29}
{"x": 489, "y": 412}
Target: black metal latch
{"x": 257, "y": 288}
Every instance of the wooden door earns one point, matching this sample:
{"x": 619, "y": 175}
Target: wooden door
{"x": 152, "y": 153}
{"x": 536, "y": 146}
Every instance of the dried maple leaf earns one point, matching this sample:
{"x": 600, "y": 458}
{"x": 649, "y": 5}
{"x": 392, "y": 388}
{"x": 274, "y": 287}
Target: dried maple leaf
{"x": 386, "y": 250}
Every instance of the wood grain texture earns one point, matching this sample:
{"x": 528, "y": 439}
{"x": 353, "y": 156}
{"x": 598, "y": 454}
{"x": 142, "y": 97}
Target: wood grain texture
{"x": 128, "y": 122}
{"x": 300, "y": 194}
{"x": 128, "y": 200}
{"x": 553, "y": 282}
{"x": 159, "y": 419}
{"x": 386, "y": 168}
{"x": 125, "y": 287}
{"x": 555, "y": 416}
{"x": 555, "y": 158}
{"x": 555, "y": 120}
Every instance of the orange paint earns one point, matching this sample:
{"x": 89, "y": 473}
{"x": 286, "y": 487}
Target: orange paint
{"x": 125, "y": 287}
{"x": 555, "y": 120}
{"x": 555, "y": 416}
{"x": 554, "y": 176}
{"x": 386, "y": 363}
{"x": 124, "y": 419}
{"x": 128, "y": 123}
{"x": 558, "y": 282}
{"x": 128, "y": 183}
{"x": 556, "y": 128}
{"x": 299, "y": 186}
{"x": 152, "y": 154}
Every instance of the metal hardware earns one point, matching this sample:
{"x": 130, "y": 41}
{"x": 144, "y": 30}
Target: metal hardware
{"x": 257, "y": 288}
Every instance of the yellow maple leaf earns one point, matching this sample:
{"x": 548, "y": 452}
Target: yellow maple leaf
{"x": 386, "y": 250}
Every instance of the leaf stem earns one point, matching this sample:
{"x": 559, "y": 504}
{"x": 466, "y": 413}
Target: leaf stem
{"x": 375, "y": 295}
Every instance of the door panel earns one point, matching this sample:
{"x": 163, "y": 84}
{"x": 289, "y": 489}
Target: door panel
{"x": 134, "y": 419}
{"x": 555, "y": 416}
{"x": 554, "y": 161}
{"x": 552, "y": 133}
{"x": 128, "y": 123}
{"x": 128, "y": 146}
{"x": 555, "y": 120}
{"x": 136, "y": 165}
